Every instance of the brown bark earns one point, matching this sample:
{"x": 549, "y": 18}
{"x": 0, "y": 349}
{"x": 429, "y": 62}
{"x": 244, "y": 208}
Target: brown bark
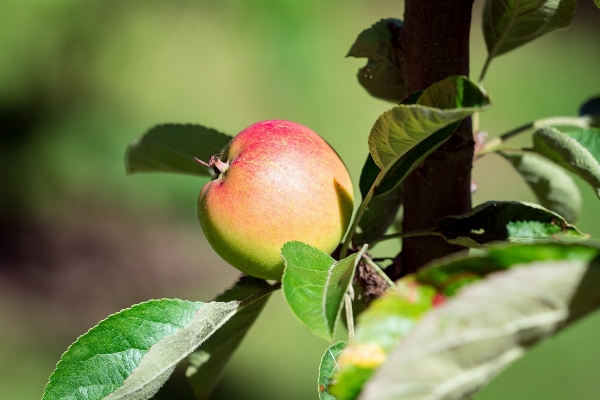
{"x": 434, "y": 44}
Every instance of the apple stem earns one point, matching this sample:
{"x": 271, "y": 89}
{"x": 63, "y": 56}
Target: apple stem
{"x": 215, "y": 164}
{"x": 218, "y": 165}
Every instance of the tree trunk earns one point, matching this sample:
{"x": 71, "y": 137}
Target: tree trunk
{"x": 434, "y": 45}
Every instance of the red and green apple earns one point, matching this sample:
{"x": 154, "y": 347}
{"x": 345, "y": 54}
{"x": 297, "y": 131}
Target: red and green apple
{"x": 276, "y": 181}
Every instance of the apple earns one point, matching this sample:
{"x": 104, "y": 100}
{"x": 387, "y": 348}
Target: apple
{"x": 276, "y": 181}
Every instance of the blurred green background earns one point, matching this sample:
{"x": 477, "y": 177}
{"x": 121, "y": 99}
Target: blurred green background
{"x": 79, "y": 240}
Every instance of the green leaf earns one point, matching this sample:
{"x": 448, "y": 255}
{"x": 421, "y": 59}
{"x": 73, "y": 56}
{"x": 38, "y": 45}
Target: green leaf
{"x": 508, "y": 24}
{"x": 206, "y": 364}
{"x": 327, "y": 368}
{"x": 382, "y": 77}
{"x": 131, "y": 354}
{"x": 382, "y": 80}
{"x": 172, "y": 148}
{"x": 450, "y": 273}
{"x": 370, "y": 170}
{"x": 367, "y": 176}
{"x": 577, "y": 151}
{"x": 597, "y": 3}
{"x": 314, "y": 285}
{"x": 396, "y": 173}
{"x": 379, "y": 329}
{"x": 512, "y": 221}
{"x": 553, "y": 187}
{"x": 404, "y": 127}
{"x": 458, "y": 347}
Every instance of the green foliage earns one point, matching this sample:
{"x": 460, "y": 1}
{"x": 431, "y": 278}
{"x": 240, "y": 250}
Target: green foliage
{"x": 457, "y": 348}
{"x": 405, "y": 126}
{"x": 370, "y": 171}
{"x": 553, "y": 187}
{"x": 510, "y": 221}
{"x": 382, "y": 76}
{"x": 577, "y": 151}
{"x": 405, "y": 135}
{"x": 173, "y": 147}
{"x": 314, "y": 285}
{"x": 206, "y": 364}
{"x": 380, "y": 328}
{"x": 451, "y": 273}
{"x": 508, "y": 24}
{"x": 501, "y": 301}
{"x": 327, "y": 368}
{"x": 131, "y": 354}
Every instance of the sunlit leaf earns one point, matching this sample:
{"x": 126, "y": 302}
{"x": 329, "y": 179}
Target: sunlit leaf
{"x": 508, "y": 24}
{"x": 172, "y": 148}
{"x": 382, "y": 77}
{"x": 458, "y": 347}
{"x": 512, "y": 221}
{"x": 131, "y": 354}
{"x": 553, "y": 187}
{"x": 379, "y": 329}
{"x": 405, "y": 135}
{"x": 370, "y": 170}
{"x": 206, "y": 364}
{"x": 314, "y": 285}
{"x": 577, "y": 151}
{"x": 451, "y": 273}
{"x": 328, "y": 368}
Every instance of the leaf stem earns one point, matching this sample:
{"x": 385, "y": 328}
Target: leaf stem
{"x": 423, "y": 232}
{"x": 360, "y": 213}
{"x": 494, "y": 144}
{"x": 349, "y": 316}
{"x": 378, "y": 269}
{"x": 260, "y": 294}
{"x": 484, "y": 69}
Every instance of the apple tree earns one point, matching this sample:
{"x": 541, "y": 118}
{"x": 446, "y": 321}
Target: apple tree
{"x": 435, "y": 321}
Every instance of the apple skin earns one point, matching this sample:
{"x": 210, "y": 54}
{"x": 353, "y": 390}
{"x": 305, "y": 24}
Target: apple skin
{"x": 281, "y": 182}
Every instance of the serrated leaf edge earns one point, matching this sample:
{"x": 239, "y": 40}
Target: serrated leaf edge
{"x": 334, "y": 263}
{"x": 61, "y": 360}
{"x": 459, "y": 113}
{"x": 193, "y": 333}
{"x": 548, "y": 322}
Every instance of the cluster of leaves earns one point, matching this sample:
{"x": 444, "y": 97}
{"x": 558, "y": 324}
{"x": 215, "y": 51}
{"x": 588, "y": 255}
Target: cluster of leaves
{"x": 438, "y": 334}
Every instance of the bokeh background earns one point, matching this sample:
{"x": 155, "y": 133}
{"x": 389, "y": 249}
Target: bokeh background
{"x": 80, "y": 240}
